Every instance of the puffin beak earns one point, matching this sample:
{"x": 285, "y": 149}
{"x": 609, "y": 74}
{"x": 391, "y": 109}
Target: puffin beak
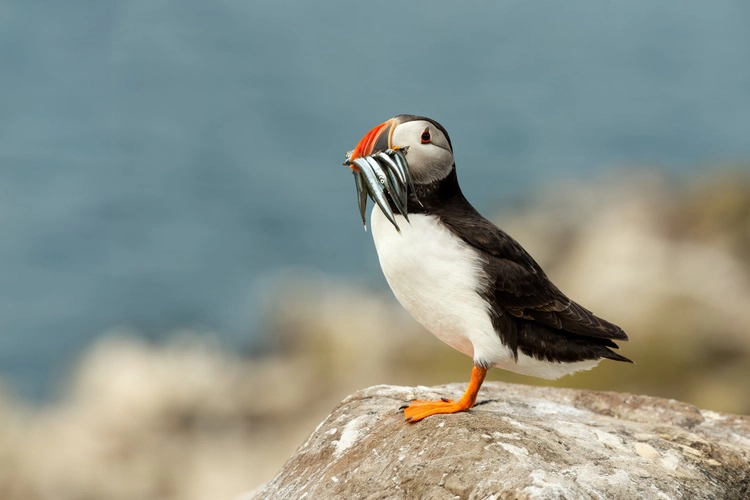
{"x": 377, "y": 139}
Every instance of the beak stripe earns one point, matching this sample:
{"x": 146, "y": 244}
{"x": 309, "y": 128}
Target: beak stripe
{"x": 376, "y": 139}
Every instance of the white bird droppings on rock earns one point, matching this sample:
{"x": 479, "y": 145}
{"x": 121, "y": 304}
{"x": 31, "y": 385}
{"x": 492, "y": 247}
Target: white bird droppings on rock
{"x": 349, "y": 434}
{"x": 671, "y": 460}
{"x": 542, "y": 487}
{"x": 609, "y": 439}
{"x": 515, "y": 450}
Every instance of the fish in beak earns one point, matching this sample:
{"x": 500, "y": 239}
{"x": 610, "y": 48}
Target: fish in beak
{"x": 381, "y": 172}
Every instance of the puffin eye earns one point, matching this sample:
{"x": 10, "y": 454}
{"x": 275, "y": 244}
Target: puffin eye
{"x": 425, "y": 137}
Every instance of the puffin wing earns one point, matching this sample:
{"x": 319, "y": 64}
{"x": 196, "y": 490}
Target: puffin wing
{"x": 518, "y": 284}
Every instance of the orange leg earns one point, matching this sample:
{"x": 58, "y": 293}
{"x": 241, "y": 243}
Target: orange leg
{"x": 417, "y": 410}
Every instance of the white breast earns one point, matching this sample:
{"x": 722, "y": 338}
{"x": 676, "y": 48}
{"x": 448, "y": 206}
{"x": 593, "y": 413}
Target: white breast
{"x": 437, "y": 277}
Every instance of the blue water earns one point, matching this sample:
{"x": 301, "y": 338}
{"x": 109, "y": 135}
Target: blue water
{"x": 160, "y": 160}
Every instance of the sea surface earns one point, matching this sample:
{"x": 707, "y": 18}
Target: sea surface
{"x": 161, "y": 162}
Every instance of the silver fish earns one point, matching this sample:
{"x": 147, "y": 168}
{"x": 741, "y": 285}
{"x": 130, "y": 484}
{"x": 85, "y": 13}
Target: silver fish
{"x": 398, "y": 155}
{"x": 375, "y": 188}
{"x": 397, "y": 176}
{"x": 390, "y": 184}
{"x": 384, "y": 177}
{"x": 361, "y": 197}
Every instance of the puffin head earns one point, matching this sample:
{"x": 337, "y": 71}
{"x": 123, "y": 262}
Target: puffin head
{"x": 429, "y": 152}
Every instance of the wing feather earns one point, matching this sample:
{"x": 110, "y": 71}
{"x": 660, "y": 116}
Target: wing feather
{"x": 518, "y": 284}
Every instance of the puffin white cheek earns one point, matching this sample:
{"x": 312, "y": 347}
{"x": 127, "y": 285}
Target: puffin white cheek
{"x": 429, "y": 164}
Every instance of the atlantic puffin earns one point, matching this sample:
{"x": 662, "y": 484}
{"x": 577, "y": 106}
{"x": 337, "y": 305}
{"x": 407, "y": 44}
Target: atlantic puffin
{"x": 466, "y": 280}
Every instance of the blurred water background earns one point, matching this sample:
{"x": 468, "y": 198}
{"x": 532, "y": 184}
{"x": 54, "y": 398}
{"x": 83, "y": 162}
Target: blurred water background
{"x": 170, "y": 167}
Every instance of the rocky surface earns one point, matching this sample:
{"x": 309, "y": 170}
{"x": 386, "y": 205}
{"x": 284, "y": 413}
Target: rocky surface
{"x": 520, "y": 442}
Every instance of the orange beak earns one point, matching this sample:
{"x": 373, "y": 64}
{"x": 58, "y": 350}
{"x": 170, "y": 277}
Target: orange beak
{"x": 377, "y": 139}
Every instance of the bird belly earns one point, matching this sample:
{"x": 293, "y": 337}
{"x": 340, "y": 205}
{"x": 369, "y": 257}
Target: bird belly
{"x": 437, "y": 278}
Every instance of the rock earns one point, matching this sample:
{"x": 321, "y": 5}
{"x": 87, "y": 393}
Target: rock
{"x": 520, "y": 442}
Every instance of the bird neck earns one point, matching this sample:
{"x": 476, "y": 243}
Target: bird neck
{"x": 436, "y": 195}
